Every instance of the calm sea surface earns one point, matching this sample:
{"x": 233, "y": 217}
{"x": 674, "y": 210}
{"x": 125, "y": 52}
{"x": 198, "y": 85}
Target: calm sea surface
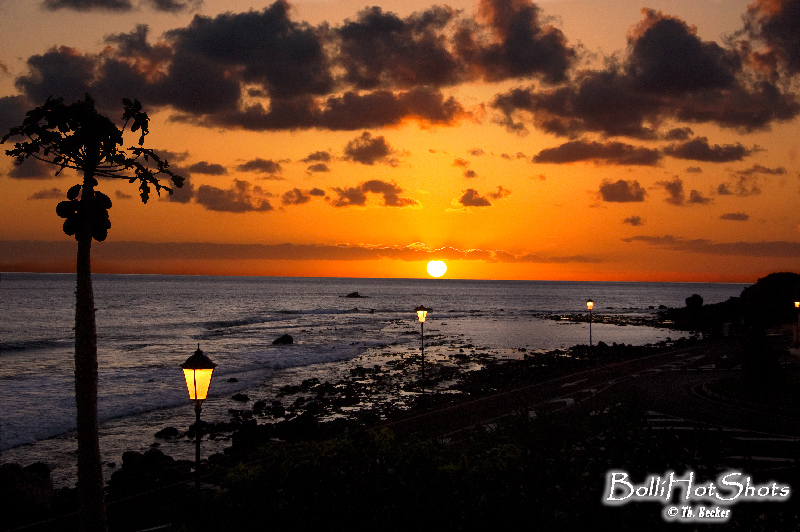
{"x": 149, "y": 325}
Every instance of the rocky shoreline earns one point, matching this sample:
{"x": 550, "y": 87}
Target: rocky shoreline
{"x": 379, "y": 386}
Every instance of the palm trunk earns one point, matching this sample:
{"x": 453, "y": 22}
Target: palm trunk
{"x": 90, "y": 472}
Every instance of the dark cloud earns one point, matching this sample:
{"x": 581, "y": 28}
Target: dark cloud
{"x": 184, "y": 194}
{"x": 357, "y": 196}
{"x": 622, "y": 191}
{"x": 694, "y": 170}
{"x": 677, "y": 196}
{"x": 461, "y": 162}
{"x": 203, "y": 167}
{"x": 675, "y": 193}
{"x": 175, "y": 6}
{"x": 695, "y": 198}
{"x": 262, "y": 53}
{"x": 317, "y": 156}
{"x": 380, "y": 49}
{"x": 773, "y": 24}
{"x": 63, "y": 71}
{"x": 700, "y": 150}
{"x": 476, "y": 152}
{"x": 33, "y": 169}
{"x": 295, "y": 197}
{"x": 347, "y": 112}
{"x": 616, "y": 153}
{"x": 758, "y": 169}
{"x": 747, "y": 182}
{"x": 130, "y": 66}
{"x": 668, "y": 73}
{"x": 53, "y": 193}
{"x": 471, "y": 198}
{"x": 602, "y": 102}
{"x": 120, "y": 195}
{"x": 742, "y": 187}
{"x": 369, "y": 150}
{"x": 735, "y": 216}
{"x": 514, "y": 43}
{"x": 635, "y": 221}
{"x": 390, "y": 69}
{"x": 500, "y": 194}
{"x": 318, "y": 167}
{"x": 317, "y": 192}
{"x": 267, "y": 166}
{"x": 12, "y": 112}
{"x": 470, "y": 174}
{"x": 745, "y": 249}
{"x": 437, "y": 48}
{"x": 170, "y": 6}
{"x": 385, "y": 108}
{"x": 667, "y": 57}
{"x": 89, "y": 5}
{"x": 390, "y": 192}
{"x": 680, "y": 133}
{"x": 264, "y": 47}
{"x": 241, "y": 197}
{"x": 173, "y": 156}
{"x": 349, "y": 197}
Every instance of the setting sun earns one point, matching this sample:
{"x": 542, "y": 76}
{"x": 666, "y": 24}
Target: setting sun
{"x": 437, "y": 268}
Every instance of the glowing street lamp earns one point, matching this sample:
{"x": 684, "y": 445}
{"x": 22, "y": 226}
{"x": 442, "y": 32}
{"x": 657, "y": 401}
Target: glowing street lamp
{"x": 797, "y": 332}
{"x": 197, "y": 370}
{"x": 422, "y": 313}
{"x": 590, "y": 306}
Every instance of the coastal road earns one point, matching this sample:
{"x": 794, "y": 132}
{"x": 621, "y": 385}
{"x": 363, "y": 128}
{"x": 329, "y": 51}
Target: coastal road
{"x": 667, "y": 384}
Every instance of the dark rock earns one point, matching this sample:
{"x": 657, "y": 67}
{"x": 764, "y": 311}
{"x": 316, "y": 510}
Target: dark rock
{"x": 143, "y": 471}
{"x": 307, "y": 384}
{"x": 39, "y": 469}
{"x": 355, "y": 295}
{"x": 156, "y": 457}
{"x": 288, "y": 389}
{"x": 283, "y": 340}
{"x": 259, "y": 406}
{"x": 694, "y": 301}
{"x": 243, "y": 397}
{"x": 233, "y": 379}
{"x": 132, "y": 459}
{"x": 168, "y": 432}
{"x": 25, "y": 492}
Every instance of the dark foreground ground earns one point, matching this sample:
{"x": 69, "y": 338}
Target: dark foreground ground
{"x": 526, "y": 444}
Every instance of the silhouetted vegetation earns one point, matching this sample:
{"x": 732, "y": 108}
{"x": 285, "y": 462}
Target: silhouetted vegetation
{"x": 768, "y": 303}
{"x": 544, "y": 473}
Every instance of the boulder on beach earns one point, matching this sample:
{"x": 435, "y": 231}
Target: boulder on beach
{"x": 27, "y": 491}
{"x": 283, "y": 340}
{"x": 167, "y": 432}
{"x": 355, "y": 295}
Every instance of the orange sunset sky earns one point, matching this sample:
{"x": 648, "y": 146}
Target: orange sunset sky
{"x": 565, "y": 139}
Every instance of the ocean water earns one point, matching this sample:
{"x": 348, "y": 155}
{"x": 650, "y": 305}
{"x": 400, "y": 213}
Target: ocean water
{"x": 149, "y": 325}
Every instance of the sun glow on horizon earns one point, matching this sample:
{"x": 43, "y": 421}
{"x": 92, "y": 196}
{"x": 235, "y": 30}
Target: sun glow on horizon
{"x": 437, "y": 268}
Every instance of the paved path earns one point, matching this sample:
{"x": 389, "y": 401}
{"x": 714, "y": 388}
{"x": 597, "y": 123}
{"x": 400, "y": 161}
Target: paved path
{"x": 666, "y": 383}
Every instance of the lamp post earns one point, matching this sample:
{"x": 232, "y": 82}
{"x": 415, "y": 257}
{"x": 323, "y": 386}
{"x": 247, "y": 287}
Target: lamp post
{"x": 797, "y": 329}
{"x": 590, "y": 306}
{"x": 197, "y": 370}
{"x": 422, "y": 312}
